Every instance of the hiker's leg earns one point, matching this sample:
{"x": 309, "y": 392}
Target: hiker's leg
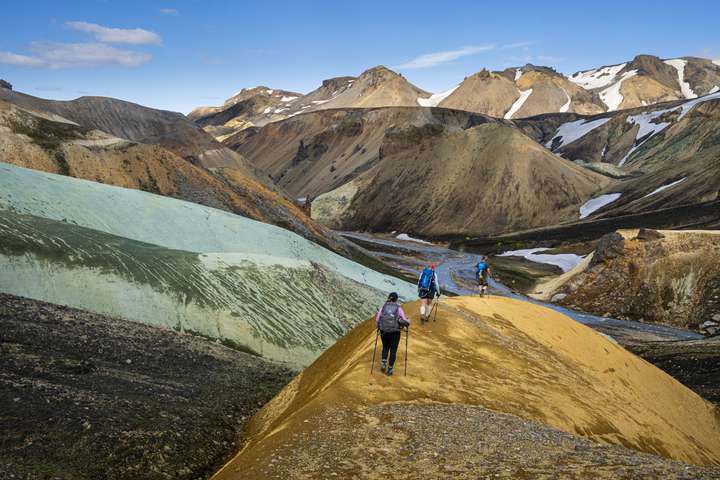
{"x": 385, "y": 346}
{"x": 394, "y": 341}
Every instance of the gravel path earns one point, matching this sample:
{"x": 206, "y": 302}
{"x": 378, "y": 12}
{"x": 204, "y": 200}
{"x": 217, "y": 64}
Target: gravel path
{"x": 437, "y": 441}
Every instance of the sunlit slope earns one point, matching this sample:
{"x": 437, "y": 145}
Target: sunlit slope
{"x": 503, "y": 354}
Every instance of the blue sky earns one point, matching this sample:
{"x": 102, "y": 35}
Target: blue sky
{"x": 180, "y": 54}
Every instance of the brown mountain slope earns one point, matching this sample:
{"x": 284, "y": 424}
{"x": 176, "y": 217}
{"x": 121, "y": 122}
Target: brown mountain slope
{"x": 130, "y": 121}
{"x": 521, "y": 92}
{"x": 377, "y": 87}
{"x": 483, "y": 180}
{"x": 316, "y": 152}
{"x": 335, "y": 420}
{"x": 664, "y": 277}
{"x": 31, "y": 140}
{"x": 648, "y": 79}
{"x": 669, "y": 152}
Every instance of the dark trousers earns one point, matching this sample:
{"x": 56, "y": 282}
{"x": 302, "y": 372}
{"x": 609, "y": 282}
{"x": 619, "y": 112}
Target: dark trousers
{"x": 390, "y": 342}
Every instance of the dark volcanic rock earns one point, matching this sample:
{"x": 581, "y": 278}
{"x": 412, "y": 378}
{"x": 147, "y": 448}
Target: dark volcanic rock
{"x": 648, "y": 234}
{"x": 4, "y": 84}
{"x": 85, "y": 396}
{"x": 609, "y": 246}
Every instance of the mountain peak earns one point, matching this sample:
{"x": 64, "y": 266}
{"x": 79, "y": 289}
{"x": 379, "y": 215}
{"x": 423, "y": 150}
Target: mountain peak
{"x": 5, "y": 84}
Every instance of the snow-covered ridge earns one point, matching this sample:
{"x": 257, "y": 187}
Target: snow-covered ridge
{"x": 566, "y": 261}
{"x": 517, "y": 105}
{"x": 679, "y": 65}
{"x": 571, "y": 131}
{"x": 665, "y": 187}
{"x": 597, "y": 203}
{"x": 716, "y": 62}
{"x": 435, "y": 99}
{"x": 611, "y": 96}
{"x": 598, "y": 78}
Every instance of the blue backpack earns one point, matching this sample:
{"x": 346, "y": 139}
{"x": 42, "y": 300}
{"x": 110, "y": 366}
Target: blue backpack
{"x": 480, "y": 268}
{"x": 426, "y": 278}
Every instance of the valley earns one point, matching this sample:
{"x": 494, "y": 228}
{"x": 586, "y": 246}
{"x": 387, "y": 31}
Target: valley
{"x": 194, "y": 296}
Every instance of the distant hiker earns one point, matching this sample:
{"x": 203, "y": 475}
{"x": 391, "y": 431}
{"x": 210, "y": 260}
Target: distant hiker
{"x": 428, "y": 287}
{"x": 390, "y": 319}
{"x": 482, "y": 272}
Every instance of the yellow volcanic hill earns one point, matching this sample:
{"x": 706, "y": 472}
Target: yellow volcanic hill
{"x": 524, "y": 367}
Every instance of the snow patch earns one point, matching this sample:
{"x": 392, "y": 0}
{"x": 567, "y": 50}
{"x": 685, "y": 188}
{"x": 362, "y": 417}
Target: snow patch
{"x": 435, "y": 99}
{"x": 611, "y": 96}
{"x": 716, "y": 62}
{"x": 518, "y": 74}
{"x": 269, "y": 91}
{"x": 647, "y": 129}
{"x": 268, "y": 110}
{"x": 280, "y": 110}
{"x": 565, "y": 107}
{"x": 288, "y": 99}
{"x": 320, "y": 102}
{"x": 679, "y": 65}
{"x": 408, "y": 238}
{"x": 571, "y": 131}
{"x": 597, "y": 203}
{"x": 566, "y": 261}
{"x": 665, "y": 187}
{"x": 524, "y": 94}
{"x": 687, "y": 106}
{"x": 714, "y": 89}
{"x": 598, "y": 78}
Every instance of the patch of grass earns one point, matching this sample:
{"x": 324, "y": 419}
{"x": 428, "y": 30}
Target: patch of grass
{"x": 45, "y": 133}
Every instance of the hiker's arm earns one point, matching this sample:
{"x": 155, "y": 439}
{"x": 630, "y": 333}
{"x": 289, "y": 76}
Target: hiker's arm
{"x": 403, "y": 319}
{"x": 437, "y": 284}
{"x": 377, "y": 318}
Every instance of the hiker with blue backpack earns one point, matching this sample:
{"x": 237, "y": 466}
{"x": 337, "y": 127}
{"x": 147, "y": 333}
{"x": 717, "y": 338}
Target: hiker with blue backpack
{"x": 390, "y": 320}
{"x": 482, "y": 272}
{"x": 428, "y": 287}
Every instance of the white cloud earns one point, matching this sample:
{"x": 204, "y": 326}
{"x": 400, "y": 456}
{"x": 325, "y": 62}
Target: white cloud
{"x": 133, "y": 36}
{"x": 438, "y": 58}
{"x": 169, "y": 11}
{"x": 66, "y": 55}
{"x": 522, "y": 45}
{"x": 9, "y": 58}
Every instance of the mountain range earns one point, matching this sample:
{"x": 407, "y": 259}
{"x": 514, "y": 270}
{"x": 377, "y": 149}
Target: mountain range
{"x": 511, "y": 93}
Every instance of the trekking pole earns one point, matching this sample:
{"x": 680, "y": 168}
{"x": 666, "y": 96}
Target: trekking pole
{"x": 377, "y": 334}
{"x": 407, "y": 336}
{"x": 436, "y": 309}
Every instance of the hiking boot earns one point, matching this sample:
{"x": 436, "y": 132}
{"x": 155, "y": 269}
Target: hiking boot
{"x": 389, "y": 371}
{"x": 383, "y": 366}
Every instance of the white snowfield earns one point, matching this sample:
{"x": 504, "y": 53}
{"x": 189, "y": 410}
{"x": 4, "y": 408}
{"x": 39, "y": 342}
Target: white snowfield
{"x": 665, "y": 187}
{"x": 611, "y": 96}
{"x": 687, "y": 106}
{"x": 566, "y": 261}
{"x": 288, "y": 99}
{"x": 517, "y": 105}
{"x": 598, "y": 78}
{"x": 408, "y": 238}
{"x": 597, "y": 203}
{"x": 518, "y": 74}
{"x": 714, "y": 89}
{"x": 435, "y": 99}
{"x": 648, "y": 128}
{"x": 571, "y": 131}
{"x": 679, "y": 65}
{"x": 566, "y": 106}
{"x": 716, "y": 62}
